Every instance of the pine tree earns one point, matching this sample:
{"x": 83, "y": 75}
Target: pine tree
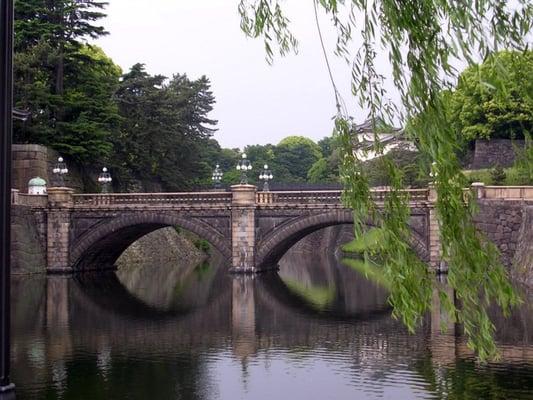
{"x": 62, "y": 81}
{"x": 164, "y": 130}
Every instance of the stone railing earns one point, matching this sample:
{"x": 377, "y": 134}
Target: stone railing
{"x": 199, "y": 199}
{"x": 503, "y": 192}
{"x": 300, "y": 197}
{"x": 29, "y": 200}
{"x": 226, "y": 199}
{"x": 509, "y": 192}
{"x": 328, "y": 196}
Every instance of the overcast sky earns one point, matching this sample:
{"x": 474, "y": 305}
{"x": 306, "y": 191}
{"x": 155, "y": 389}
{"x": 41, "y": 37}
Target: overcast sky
{"x": 255, "y": 102}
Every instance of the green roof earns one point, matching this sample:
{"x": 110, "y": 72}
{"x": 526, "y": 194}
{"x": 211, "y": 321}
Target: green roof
{"x": 37, "y": 181}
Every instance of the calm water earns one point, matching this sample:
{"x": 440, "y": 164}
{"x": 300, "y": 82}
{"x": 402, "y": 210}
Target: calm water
{"x": 316, "y": 330}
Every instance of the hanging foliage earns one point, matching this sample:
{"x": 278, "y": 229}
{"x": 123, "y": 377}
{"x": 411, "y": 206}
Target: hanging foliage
{"x": 421, "y": 39}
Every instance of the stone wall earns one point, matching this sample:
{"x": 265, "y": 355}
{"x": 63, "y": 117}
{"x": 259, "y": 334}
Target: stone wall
{"x": 488, "y": 153}
{"x": 501, "y": 221}
{"x": 161, "y": 247}
{"x": 523, "y": 260}
{"x": 29, "y": 161}
{"x": 28, "y": 254}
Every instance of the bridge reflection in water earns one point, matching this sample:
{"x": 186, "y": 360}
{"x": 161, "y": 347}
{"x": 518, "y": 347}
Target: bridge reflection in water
{"x": 315, "y": 330}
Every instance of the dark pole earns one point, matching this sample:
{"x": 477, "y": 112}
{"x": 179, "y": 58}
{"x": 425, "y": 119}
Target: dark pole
{"x": 6, "y": 130}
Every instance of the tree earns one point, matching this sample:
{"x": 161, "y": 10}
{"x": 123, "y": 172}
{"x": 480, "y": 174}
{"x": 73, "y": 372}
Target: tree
{"x": 260, "y": 155}
{"x": 405, "y": 159}
{"x": 497, "y": 174}
{"x": 89, "y": 115}
{"x": 318, "y": 172}
{"x": 66, "y": 85}
{"x": 327, "y": 145}
{"x": 419, "y": 38}
{"x": 61, "y": 24}
{"x": 294, "y": 156}
{"x": 165, "y": 131}
{"x": 484, "y": 107}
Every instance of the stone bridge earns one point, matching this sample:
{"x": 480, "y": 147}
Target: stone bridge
{"x": 252, "y": 230}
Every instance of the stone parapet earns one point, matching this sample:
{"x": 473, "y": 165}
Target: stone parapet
{"x": 60, "y": 197}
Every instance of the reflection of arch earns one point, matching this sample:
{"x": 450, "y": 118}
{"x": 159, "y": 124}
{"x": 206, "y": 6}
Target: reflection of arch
{"x": 279, "y": 241}
{"x": 274, "y": 293}
{"x": 106, "y": 291}
{"x": 103, "y": 245}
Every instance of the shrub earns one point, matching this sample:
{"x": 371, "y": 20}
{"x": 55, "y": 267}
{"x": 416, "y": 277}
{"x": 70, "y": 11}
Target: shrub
{"x": 497, "y": 175}
{"x": 202, "y": 245}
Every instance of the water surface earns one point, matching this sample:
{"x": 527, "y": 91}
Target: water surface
{"x": 317, "y": 330}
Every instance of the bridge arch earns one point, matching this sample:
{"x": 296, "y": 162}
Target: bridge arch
{"x": 103, "y": 244}
{"x": 278, "y": 241}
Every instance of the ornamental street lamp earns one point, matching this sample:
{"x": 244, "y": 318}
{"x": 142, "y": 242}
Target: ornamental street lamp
{"x": 105, "y": 179}
{"x": 266, "y": 175}
{"x": 59, "y": 170}
{"x": 217, "y": 176}
{"x": 244, "y": 165}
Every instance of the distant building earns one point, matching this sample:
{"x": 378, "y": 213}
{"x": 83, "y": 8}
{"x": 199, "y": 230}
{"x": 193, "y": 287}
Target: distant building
{"x": 390, "y": 138}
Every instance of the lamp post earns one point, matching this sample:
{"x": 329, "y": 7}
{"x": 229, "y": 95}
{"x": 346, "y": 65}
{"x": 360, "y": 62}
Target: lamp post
{"x": 6, "y": 131}
{"x": 60, "y": 169}
{"x": 105, "y": 179}
{"x": 217, "y": 176}
{"x": 244, "y": 165}
{"x": 266, "y": 175}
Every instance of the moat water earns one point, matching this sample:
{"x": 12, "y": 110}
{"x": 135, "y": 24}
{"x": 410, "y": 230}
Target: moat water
{"x": 317, "y": 330}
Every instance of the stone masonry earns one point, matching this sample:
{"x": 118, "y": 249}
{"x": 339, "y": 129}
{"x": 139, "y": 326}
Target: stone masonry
{"x": 500, "y": 221}
{"x": 29, "y": 161}
{"x": 243, "y": 228}
{"x": 488, "y": 153}
{"x": 251, "y": 230}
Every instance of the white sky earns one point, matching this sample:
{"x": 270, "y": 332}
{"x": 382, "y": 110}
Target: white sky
{"x": 256, "y": 103}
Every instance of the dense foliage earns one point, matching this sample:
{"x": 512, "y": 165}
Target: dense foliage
{"x": 420, "y": 39}
{"x": 66, "y": 85}
{"x": 485, "y": 106}
{"x": 164, "y": 130}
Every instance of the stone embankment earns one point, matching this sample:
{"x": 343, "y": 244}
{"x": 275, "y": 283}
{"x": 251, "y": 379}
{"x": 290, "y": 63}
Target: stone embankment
{"x": 27, "y": 253}
{"x": 523, "y": 260}
{"x": 500, "y": 221}
{"x": 162, "y": 246}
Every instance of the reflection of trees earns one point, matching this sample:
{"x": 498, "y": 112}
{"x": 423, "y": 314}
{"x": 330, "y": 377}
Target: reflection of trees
{"x": 311, "y": 270}
{"x": 465, "y": 380}
{"x": 168, "y": 285}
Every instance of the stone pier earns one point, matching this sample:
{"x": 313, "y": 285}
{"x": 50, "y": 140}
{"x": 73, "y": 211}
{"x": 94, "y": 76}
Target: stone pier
{"x": 243, "y": 228}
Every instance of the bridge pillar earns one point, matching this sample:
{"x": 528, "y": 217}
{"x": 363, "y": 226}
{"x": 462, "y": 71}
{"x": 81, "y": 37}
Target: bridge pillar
{"x": 243, "y": 228}
{"x": 58, "y": 229}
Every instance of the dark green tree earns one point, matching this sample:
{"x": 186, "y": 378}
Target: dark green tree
{"x": 66, "y": 85}
{"x": 294, "y": 156}
{"x": 165, "y": 131}
{"x": 89, "y": 115}
{"x": 497, "y": 175}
